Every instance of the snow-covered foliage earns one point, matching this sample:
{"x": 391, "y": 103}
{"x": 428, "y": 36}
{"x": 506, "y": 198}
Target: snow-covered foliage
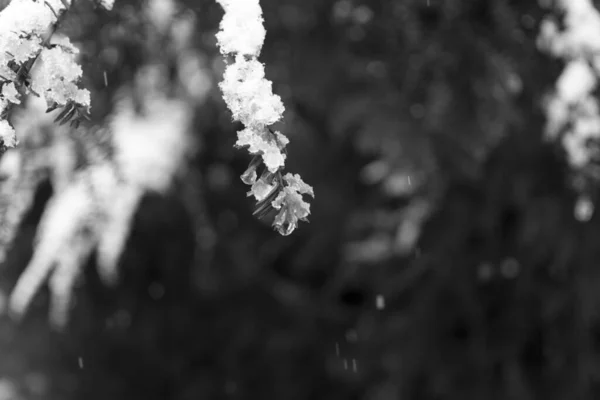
{"x": 26, "y": 39}
{"x": 95, "y": 208}
{"x": 250, "y": 98}
{"x": 142, "y": 149}
{"x": 572, "y": 110}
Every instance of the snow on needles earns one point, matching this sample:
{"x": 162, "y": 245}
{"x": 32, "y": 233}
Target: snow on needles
{"x": 26, "y": 29}
{"x": 25, "y": 26}
{"x": 249, "y": 96}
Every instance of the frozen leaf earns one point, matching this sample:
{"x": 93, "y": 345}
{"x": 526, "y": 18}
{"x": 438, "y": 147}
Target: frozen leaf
{"x": 249, "y": 176}
{"x": 291, "y": 205}
{"x": 285, "y": 222}
{"x": 296, "y": 183}
{"x": 261, "y": 189}
{"x": 289, "y": 198}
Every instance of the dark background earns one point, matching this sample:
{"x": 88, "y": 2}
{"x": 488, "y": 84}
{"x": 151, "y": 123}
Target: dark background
{"x": 423, "y": 115}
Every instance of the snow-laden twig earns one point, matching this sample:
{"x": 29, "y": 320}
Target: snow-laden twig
{"x": 250, "y": 98}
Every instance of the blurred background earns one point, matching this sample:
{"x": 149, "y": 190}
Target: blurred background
{"x": 447, "y": 255}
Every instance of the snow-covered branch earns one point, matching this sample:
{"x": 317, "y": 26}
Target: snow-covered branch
{"x": 26, "y": 38}
{"x": 250, "y": 98}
